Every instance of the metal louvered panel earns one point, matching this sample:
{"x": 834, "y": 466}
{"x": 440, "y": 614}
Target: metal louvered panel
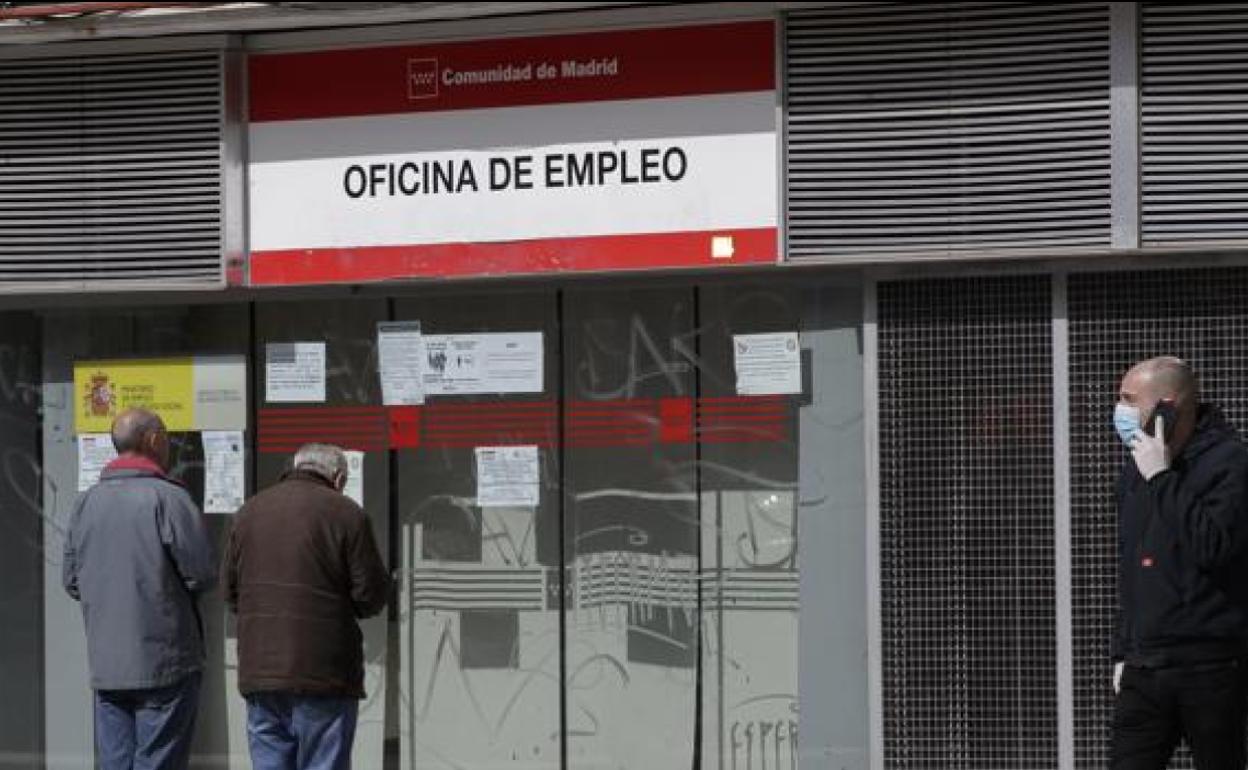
{"x": 1194, "y": 103}
{"x": 111, "y": 171}
{"x": 917, "y": 128}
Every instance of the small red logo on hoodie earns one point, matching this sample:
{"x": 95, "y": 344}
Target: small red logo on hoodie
{"x": 1147, "y": 561}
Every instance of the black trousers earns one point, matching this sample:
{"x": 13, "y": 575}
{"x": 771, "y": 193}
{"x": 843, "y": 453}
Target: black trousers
{"x": 1205, "y": 704}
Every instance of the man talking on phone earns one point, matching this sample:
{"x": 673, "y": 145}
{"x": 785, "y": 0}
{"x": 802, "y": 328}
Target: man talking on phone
{"x": 1181, "y": 649}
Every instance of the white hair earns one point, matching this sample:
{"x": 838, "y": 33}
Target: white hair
{"x": 325, "y": 460}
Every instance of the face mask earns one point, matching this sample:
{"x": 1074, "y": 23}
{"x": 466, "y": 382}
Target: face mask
{"x": 1126, "y": 422}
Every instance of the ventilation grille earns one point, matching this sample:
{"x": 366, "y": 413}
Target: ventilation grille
{"x": 110, "y": 170}
{"x": 1194, "y": 104}
{"x": 947, "y": 127}
{"x": 1115, "y": 320}
{"x": 966, "y": 524}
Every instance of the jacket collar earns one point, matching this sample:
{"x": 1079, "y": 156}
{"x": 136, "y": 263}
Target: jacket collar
{"x": 142, "y": 466}
{"x": 311, "y": 476}
{"x": 132, "y": 465}
{"x": 1211, "y": 428}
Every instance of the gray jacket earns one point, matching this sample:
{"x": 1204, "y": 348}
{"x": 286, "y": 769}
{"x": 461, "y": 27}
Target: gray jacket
{"x": 125, "y": 537}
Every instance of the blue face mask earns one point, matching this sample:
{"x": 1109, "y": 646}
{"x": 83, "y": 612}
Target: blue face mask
{"x": 1126, "y": 422}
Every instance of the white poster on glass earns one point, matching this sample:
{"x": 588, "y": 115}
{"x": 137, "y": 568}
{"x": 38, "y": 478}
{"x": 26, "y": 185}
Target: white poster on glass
{"x": 294, "y": 372}
{"x": 224, "y": 488}
{"x": 95, "y": 450}
{"x": 483, "y": 363}
{"x": 507, "y": 476}
{"x": 355, "y": 477}
{"x": 400, "y": 359}
{"x": 767, "y": 364}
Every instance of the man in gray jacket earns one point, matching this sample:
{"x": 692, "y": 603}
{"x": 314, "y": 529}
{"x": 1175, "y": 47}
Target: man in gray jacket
{"x": 137, "y": 554}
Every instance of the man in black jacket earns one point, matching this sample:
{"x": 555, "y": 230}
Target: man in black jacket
{"x": 1181, "y": 651}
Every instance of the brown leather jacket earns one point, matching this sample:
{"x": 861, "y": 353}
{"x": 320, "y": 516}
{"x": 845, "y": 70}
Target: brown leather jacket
{"x": 301, "y": 566}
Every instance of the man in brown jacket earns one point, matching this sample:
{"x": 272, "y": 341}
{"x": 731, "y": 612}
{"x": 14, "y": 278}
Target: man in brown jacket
{"x": 301, "y": 567}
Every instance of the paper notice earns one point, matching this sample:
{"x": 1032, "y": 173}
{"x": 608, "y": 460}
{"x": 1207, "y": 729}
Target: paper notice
{"x": 355, "y": 477}
{"x": 95, "y": 450}
{"x": 507, "y": 476}
{"x": 220, "y": 393}
{"x": 401, "y": 355}
{"x": 223, "y": 471}
{"x": 768, "y": 364}
{"x": 483, "y": 363}
{"x": 294, "y": 372}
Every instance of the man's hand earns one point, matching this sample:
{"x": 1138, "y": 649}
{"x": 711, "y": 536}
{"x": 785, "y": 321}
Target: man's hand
{"x": 1118, "y": 677}
{"x": 1149, "y": 452}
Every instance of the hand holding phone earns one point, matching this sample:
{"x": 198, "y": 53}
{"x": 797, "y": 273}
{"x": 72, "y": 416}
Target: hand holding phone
{"x": 1148, "y": 448}
{"x": 1163, "y": 418}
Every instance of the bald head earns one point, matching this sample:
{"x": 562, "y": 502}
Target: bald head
{"x": 1166, "y": 378}
{"x": 138, "y": 431}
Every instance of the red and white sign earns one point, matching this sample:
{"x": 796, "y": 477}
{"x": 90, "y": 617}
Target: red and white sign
{"x": 603, "y": 151}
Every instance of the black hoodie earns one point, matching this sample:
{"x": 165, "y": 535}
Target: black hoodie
{"x": 1183, "y": 552}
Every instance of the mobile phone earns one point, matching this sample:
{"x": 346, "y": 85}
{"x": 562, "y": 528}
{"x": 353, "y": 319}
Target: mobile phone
{"x": 1168, "y": 414}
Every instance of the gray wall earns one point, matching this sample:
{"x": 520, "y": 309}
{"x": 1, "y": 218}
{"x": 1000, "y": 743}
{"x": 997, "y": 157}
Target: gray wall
{"x": 833, "y": 537}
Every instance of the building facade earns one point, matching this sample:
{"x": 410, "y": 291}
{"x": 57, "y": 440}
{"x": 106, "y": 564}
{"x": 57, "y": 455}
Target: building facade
{"x": 728, "y": 384}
